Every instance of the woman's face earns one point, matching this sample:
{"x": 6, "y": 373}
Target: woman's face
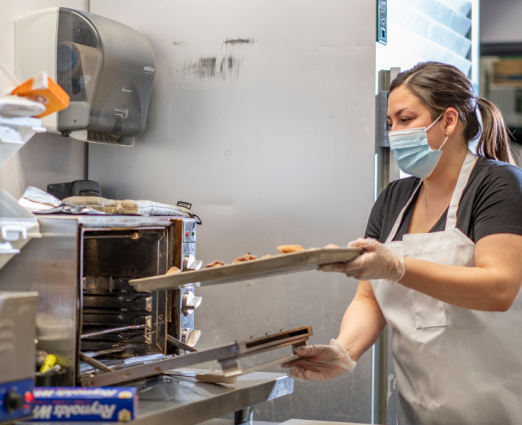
{"x": 405, "y": 111}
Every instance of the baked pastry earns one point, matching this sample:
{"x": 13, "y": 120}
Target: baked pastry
{"x": 288, "y": 249}
{"x": 216, "y": 377}
{"x": 264, "y": 257}
{"x": 331, "y": 246}
{"x": 244, "y": 258}
{"x": 215, "y": 264}
{"x": 173, "y": 270}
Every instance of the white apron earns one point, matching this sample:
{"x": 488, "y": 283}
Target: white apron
{"x": 453, "y": 365}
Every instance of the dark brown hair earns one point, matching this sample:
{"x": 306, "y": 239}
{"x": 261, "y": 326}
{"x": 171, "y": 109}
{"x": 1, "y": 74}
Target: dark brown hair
{"x": 440, "y": 86}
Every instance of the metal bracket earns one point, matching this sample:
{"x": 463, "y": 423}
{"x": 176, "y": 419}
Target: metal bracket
{"x": 299, "y": 344}
{"x": 230, "y": 368}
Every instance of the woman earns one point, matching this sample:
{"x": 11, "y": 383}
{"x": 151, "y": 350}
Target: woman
{"x": 442, "y": 261}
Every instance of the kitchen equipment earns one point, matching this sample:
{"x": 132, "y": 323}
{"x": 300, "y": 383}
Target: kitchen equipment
{"x": 255, "y": 269}
{"x": 81, "y": 269}
{"x": 227, "y": 355}
{"x": 17, "y": 353}
{"x": 75, "y": 188}
{"x": 104, "y": 331}
{"x": 114, "y": 315}
{"x": 17, "y": 227}
{"x": 180, "y": 396}
{"x": 106, "y": 68}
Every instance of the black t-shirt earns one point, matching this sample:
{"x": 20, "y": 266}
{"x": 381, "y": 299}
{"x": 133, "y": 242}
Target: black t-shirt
{"x": 491, "y": 203}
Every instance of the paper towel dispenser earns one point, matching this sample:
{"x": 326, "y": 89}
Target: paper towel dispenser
{"x": 107, "y": 69}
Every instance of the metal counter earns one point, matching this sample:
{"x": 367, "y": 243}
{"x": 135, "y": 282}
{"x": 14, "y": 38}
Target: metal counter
{"x": 184, "y": 401}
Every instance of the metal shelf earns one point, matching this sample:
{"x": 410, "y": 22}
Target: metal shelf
{"x": 185, "y": 401}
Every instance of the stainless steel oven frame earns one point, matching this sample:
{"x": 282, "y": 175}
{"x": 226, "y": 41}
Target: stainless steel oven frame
{"x": 87, "y": 252}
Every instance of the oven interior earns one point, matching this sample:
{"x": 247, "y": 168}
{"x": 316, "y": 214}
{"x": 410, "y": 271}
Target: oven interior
{"x": 122, "y": 327}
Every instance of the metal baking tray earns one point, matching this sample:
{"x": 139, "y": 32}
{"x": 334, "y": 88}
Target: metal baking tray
{"x": 228, "y": 357}
{"x": 255, "y": 269}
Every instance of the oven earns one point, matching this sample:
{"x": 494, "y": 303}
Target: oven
{"x": 102, "y": 330}
{"x": 88, "y": 313}
{"x": 118, "y": 322}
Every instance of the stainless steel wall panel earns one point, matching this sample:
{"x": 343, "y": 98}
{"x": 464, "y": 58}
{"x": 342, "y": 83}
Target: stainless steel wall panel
{"x": 49, "y": 266}
{"x": 17, "y": 333}
{"x": 262, "y": 116}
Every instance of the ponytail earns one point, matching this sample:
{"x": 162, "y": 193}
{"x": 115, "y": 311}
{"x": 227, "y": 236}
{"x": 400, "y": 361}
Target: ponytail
{"x": 494, "y": 140}
{"x": 440, "y": 86}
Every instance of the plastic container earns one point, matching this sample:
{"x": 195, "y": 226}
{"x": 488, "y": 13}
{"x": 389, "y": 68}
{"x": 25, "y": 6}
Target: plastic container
{"x": 17, "y": 225}
{"x": 42, "y": 88}
{"x": 14, "y": 133}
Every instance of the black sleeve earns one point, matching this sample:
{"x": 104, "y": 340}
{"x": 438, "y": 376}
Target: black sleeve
{"x": 375, "y": 221}
{"x": 498, "y": 204}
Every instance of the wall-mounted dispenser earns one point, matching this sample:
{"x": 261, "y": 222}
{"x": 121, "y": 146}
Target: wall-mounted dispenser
{"x": 107, "y": 69}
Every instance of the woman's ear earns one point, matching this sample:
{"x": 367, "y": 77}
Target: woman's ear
{"x": 451, "y": 118}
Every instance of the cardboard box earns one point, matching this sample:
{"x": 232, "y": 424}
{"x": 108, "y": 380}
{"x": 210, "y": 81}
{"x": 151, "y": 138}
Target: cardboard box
{"x": 508, "y": 72}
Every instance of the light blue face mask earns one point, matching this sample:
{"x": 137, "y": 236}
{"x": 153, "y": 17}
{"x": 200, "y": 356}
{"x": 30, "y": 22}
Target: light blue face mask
{"x": 413, "y": 152}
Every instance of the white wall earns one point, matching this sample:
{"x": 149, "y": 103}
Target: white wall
{"x": 46, "y": 158}
{"x": 500, "y": 21}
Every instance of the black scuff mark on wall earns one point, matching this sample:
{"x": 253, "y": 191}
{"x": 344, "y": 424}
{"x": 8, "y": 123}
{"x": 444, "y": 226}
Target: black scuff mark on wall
{"x": 208, "y": 67}
{"x": 229, "y": 68}
{"x": 239, "y": 41}
{"x": 225, "y": 66}
{"x": 203, "y": 68}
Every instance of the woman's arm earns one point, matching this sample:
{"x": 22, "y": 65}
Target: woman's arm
{"x": 362, "y": 323}
{"x": 492, "y": 285}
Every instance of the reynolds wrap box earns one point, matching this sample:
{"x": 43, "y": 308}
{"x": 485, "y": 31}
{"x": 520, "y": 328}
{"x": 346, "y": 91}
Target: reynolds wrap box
{"x": 84, "y": 404}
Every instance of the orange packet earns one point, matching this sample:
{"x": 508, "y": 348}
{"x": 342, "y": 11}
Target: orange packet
{"x": 43, "y": 89}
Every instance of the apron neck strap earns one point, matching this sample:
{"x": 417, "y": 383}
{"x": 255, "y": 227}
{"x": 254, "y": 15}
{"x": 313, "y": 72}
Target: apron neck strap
{"x": 451, "y": 220}
{"x": 398, "y": 222}
{"x": 465, "y": 173}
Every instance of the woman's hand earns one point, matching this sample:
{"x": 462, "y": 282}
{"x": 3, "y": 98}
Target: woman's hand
{"x": 377, "y": 262}
{"x": 320, "y": 362}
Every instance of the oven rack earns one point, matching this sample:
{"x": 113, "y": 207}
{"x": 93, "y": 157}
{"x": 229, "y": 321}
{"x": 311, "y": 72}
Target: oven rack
{"x": 227, "y": 355}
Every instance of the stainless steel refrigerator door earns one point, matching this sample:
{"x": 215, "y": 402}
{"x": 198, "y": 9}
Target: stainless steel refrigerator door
{"x": 432, "y": 30}
{"x": 261, "y": 116}
{"x": 418, "y": 30}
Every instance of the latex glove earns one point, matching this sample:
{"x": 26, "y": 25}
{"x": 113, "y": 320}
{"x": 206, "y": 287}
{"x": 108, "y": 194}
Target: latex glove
{"x": 320, "y": 362}
{"x": 377, "y": 262}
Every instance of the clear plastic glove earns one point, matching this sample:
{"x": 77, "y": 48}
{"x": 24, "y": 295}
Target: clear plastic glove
{"x": 377, "y": 262}
{"x": 320, "y": 362}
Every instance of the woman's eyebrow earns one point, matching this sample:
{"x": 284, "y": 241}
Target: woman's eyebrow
{"x": 398, "y": 112}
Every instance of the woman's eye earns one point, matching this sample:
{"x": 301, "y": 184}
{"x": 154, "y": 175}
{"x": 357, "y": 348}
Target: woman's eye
{"x": 405, "y": 119}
